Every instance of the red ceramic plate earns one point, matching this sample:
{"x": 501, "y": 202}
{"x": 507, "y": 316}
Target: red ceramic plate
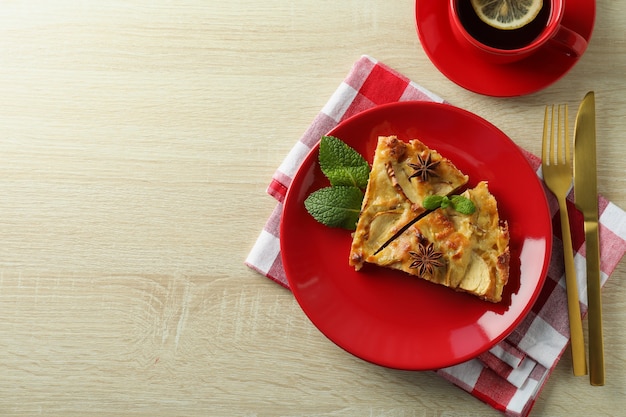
{"x": 464, "y": 67}
{"x": 388, "y": 317}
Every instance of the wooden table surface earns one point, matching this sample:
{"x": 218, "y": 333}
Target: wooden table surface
{"x": 136, "y": 142}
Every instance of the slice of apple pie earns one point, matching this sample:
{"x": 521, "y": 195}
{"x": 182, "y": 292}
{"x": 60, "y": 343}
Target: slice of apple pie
{"x": 403, "y": 174}
{"x": 466, "y": 252}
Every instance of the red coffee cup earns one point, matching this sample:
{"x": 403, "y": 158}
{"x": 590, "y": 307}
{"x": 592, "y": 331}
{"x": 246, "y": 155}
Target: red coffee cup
{"x": 505, "y": 46}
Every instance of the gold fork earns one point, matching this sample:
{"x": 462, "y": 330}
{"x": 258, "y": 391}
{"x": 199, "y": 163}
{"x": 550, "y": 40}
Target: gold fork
{"x": 558, "y": 175}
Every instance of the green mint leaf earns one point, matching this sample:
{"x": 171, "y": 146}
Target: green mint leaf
{"x": 341, "y": 164}
{"x": 337, "y": 206}
{"x": 459, "y": 203}
{"x": 463, "y": 205}
{"x": 432, "y": 202}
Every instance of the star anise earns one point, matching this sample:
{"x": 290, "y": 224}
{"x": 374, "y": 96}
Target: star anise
{"x": 424, "y": 169}
{"x": 426, "y": 259}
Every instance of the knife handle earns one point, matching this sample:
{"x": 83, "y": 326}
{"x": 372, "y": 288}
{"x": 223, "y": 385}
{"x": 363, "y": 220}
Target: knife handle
{"x": 577, "y": 342}
{"x": 594, "y": 299}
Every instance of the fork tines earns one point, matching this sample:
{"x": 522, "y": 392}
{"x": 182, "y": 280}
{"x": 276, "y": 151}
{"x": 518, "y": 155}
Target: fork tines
{"x": 562, "y": 135}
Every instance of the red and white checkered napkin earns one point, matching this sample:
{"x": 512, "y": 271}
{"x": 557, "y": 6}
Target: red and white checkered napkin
{"x": 510, "y": 376}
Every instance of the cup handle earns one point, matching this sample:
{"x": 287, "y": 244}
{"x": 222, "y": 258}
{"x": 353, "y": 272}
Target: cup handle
{"x": 568, "y": 42}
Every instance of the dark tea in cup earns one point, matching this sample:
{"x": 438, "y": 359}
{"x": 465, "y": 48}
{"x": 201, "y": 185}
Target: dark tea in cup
{"x": 502, "y": 38}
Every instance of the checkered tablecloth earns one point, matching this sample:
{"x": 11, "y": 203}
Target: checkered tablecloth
{"x": 510, "y": 376}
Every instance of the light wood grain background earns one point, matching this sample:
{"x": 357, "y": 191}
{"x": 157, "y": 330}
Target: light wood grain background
{"x": 136, "y": 142}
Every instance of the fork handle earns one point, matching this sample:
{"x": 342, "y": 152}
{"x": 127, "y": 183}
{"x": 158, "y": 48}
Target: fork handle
{"x": 579, "y": 359}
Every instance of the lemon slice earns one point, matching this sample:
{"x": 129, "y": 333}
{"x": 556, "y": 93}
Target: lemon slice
{"x": 507, "y": 14}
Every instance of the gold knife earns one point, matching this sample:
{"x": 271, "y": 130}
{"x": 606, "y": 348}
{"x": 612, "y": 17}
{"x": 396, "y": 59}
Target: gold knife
{"x": 586, "y": 196}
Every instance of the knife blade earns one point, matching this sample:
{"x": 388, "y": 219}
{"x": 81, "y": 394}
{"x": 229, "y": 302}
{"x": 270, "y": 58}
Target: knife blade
{"x": 586, "y": 199}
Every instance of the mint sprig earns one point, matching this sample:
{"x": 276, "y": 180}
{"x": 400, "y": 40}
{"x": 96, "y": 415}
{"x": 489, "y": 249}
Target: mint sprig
{"x": 341, "y": 164}
{"x": 348, "y": 172}
{"x": 458, "y": 202}
{"x": 336, "y": 206}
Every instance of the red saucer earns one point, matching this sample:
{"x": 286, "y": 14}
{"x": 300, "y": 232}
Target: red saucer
{"x": 464, "y": 68}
